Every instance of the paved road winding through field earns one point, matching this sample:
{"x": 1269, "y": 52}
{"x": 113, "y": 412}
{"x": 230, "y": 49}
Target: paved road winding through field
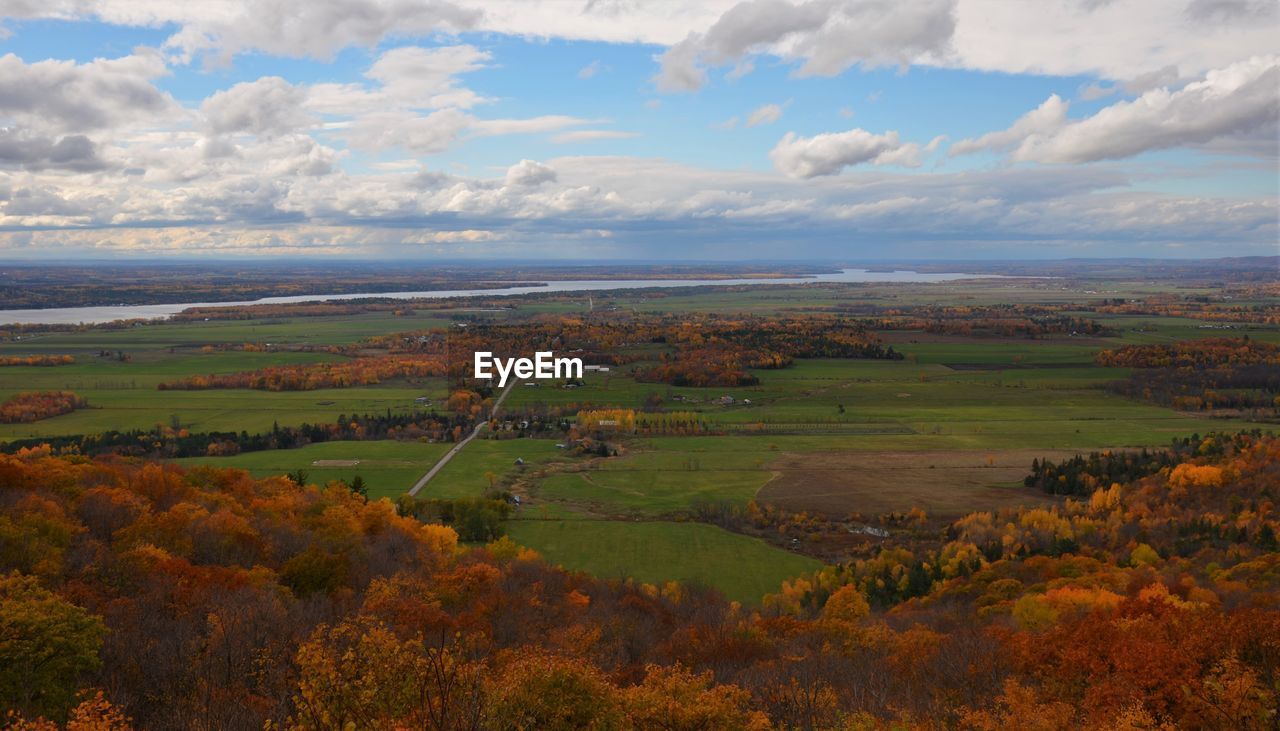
{"x": 422, "y": 482}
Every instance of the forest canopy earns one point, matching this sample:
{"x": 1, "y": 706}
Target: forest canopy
{"x": 176, "y": 598}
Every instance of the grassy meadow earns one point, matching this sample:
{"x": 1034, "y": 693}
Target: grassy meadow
{"x": 656, "y": 552}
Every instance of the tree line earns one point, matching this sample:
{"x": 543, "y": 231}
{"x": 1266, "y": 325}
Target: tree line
{"x": 30, "y": 406}
{"x": 167, "y": 442}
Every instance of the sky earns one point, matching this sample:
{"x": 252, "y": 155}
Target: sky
{"x": 616, "y": 130}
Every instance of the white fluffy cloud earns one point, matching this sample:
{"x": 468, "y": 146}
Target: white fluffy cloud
{"x": 422, "y": 134}
{"x": 414, "y": 101}
{"x": 408, "y": 77}
{"x": 828, "y": 154}
{"x": 268, "y": 106}
{"x": 824, "y": 36}
{"x": 1118, "y": 40}
{"x": 317, "y": 28}
{"x": 633, "y": 198}
{"x": 1044, "y": 119}
{"x": 427, "y": 78}
{"x": 530, "y": 173}
{"x": 1237, "y": 105}
{"x": 219, "y": 30}
{"x": 65, "y": 96}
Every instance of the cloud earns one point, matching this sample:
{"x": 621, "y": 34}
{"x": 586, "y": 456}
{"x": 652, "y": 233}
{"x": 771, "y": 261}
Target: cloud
{"x": 767, "y": 114}
{"x": 66, "y": 96}
{"x": 1236, "y": 104}
{"x": 590, "y": 70}
{"x": 680, "y": 70}
{"x": 588, "y": 135}
{"x": 317, "y": 29}
{"x": 828, "y": 154}
{"x": 268, "y": 106}
{"x": 762, "y": 115}
{"x": 1115, "y": 40}
{"x": 1042, "y": 120}
{"x": 427, "y": 134}
{"x": 530, "y": 173}
{"x": 1161, "y": 78}
{"x": 95, "y": 156}
{"x": 824, "y": 36}
{"x": 426, "y": 78}
{"x": 1230, "y": 11}
{"x": 409, "y": 77}
{"x": 34, "y": 152}
{"x": 531, "y": 125}
{"x": 656, "y": 207}
{"x": 436, "y": 132}
{"x": 1093, "y": 92}
{"x": 414, "y": 100}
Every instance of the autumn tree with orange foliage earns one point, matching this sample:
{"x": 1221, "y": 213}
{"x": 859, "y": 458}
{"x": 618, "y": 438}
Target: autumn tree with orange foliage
{"x": 208, "y": 598}
{"x": 31, "y": 406}
{"x": 340, "y": 374}
{"x": 37, "y": 360}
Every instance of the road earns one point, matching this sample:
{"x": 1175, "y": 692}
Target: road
{"x": 497, "y": 406}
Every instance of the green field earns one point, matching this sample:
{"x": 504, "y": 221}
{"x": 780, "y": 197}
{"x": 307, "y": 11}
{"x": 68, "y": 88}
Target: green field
{"x": 629, "y": 490}
{"x": 388, "y": 468}
{"x": 465, "y": 476}
{"x": 745, "y": 569}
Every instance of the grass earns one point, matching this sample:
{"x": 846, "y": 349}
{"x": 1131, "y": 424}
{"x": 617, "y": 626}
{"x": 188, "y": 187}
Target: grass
{"x": 389, "y": 468}
{"x": 330, "y": 330}
{"x": 221, "y": 409}
{"x": 465, "y": 475}
{"x": 651, "y": 491}
{"x": 744, "y": 568}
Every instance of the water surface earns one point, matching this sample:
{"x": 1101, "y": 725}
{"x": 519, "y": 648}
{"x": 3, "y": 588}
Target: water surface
{"x": 108, "y": 313}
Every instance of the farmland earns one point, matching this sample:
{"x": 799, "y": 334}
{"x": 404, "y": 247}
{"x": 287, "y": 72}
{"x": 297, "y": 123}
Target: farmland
{"x": 657, "y": 552}
{"x": 951, "y": 427}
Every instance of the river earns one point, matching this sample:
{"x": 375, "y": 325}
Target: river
{"x": 108, "y": 313}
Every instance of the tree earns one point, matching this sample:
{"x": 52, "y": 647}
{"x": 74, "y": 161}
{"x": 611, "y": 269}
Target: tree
{"x": 677, "y": 699}
{"x": 314, "y": 571}
{"x": 477, "y": 520}
{"x": 847, "y": 604}
{"x": 359, "y": 674}
{"x": 359, "y": 487}
{"x": 46, "y": 645}
{"x": 551, "y": 693}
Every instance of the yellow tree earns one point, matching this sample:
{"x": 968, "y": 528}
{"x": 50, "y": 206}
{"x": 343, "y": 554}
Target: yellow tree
{"x": 677, "y": 699}
{"x": 545, "y": 692}
{"x": 359, "y": 674}
{"x": 46, "y": 645}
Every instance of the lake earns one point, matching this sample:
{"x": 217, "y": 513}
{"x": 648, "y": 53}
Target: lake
{"x": 108, "y": 313}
